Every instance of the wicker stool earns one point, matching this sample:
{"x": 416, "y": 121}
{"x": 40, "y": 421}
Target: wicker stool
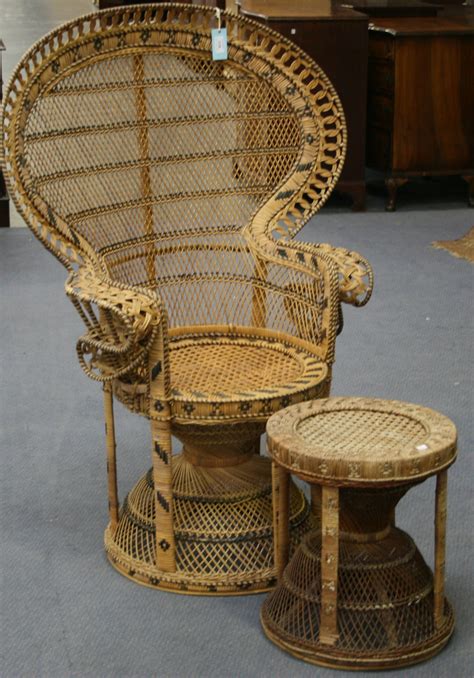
{"x": 357, "y": 594}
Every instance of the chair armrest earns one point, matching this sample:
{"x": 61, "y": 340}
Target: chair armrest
{"x": 356, "y": 278}
{"x": 307, "y": 280}
{"x": 121, "y": 322}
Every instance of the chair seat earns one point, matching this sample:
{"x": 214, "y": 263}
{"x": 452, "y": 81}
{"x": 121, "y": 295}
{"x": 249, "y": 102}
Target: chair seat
{"x": 217, "y": 375}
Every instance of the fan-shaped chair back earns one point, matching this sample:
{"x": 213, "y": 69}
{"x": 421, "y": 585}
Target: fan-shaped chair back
{"x": 136, "y": 150}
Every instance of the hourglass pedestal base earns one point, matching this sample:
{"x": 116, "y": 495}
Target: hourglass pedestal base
{"x": 357, "y": 593}
{"x": 223, "y": 522}
{"x": 385, "y": 606}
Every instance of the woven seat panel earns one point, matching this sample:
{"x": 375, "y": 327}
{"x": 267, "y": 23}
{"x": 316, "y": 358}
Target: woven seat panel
{"x": 240, "y": 376}
{"x": 363, "y": 440}
{"x": 359, "y": 433}
{"x": 224, "y": 368}
{"x": 219, "y": 377}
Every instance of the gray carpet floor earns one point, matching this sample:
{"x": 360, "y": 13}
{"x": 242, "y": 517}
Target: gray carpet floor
{"x": 64, "y": 610}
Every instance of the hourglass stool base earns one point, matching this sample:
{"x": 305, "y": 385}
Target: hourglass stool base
{"x": 357, "y": 593}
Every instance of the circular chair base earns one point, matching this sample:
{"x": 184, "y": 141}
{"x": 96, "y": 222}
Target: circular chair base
{"x": 223, "y": 530}
{"x": 321, "y": 657}
{"x": 385, "y": 606}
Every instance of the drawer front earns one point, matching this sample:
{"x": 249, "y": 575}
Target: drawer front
{"x": 379, "y": 148}
{"x": 381, "y": 76}
{"x": 381, "y": 47}
{"x": 380, "y": 110}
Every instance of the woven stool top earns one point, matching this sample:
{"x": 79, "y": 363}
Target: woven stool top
{"x": 361, "y": 441}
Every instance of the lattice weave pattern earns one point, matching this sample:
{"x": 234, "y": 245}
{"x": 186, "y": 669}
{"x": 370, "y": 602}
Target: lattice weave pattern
{"x": 270, "y": 367}
{"x": 382, "y": 603}
{"x": 133, "y": 141}
{"x": 357, "y": 593}
{"x": 171, "y": 186}
{"x": 221, "y": 528}
{"x": 362, "y": 440}
{"x": 348, "y": 432}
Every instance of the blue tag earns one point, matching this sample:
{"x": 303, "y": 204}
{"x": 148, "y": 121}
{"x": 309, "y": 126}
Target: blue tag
{"x": 219, "y": 43}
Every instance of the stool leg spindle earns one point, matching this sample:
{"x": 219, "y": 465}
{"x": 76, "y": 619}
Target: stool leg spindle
{"x": 316, "y": 502}
{"x": 282, "y": 501}
{"x": 111, "y": 456}
{"x": 328, "y": 633}
{"x": 275, "y": 509}
{"x": 440, "y": 545}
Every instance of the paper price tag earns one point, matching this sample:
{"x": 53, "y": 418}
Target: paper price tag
{"x": 219, "y": 43}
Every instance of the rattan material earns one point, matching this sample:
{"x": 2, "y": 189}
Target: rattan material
{"x": 223, "y": 529}
{"x": 170, "y": 186}
{"x": 362, "y": 441}
{"x": 357, "y": 593}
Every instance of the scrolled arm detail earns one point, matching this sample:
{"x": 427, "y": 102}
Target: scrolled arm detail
{"x": 121, "y": 323}
{"x": 356, "y": 278}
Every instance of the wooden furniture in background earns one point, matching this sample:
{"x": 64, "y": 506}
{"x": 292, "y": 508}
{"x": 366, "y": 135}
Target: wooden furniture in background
{"x": 389, "y": 8}
{"x": 4, "y": 202}
{"x": 357, "y": 593}
{"x": 420, "y": 117}
{"x": 176, "y": 223}
{"x": 107, "y": 4}
{"x": 336, "y": 37}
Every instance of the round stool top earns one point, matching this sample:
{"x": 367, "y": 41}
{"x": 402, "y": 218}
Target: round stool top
{"x": 361, "y": 441}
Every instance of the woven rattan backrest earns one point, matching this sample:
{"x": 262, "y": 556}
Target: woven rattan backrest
{"x": 158, "y": 142}
{"x": 126, "y": 145}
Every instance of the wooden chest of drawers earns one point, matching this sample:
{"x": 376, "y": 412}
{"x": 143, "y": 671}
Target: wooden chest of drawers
{"x": 420, "y": 118}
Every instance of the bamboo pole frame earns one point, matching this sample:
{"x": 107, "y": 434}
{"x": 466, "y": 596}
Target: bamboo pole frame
{"x": 281, "y": 500}
{"x": 111, "y": 456}
{"x": 160, "y": 417}
{"x": 329, "y": 564}
{"x": 440, "y": 545}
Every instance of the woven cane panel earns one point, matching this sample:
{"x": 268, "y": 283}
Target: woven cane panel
{"x": 358, "y": 561}
{"x": 198, "y": 366}
{"x": 198, "y": 191}
{"x": 124, "y": 139}
{"x": 362, "y": 440}
{"x": 385, "y": 599}
{"x": 360, "y": 434}
{"x": 212, "y": 279}
{"x": 249, "y": 480}
{"x": 193, "y": 125}
{"x": 125, "y": 116}
{"x": 217, "y": 375}
{"x": 200, "y": 561}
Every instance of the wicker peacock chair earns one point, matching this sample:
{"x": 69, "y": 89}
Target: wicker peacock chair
{"x": 170, "y": 186}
